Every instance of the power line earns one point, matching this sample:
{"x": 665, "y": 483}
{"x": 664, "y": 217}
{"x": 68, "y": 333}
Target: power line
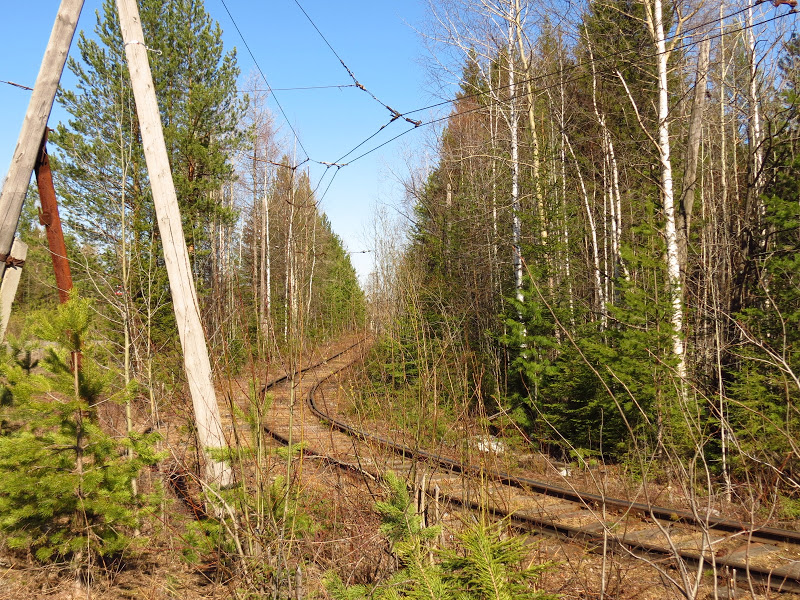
{"x": 384, "y": 126}
{"x": 569, "y": 68}
{"x": 264, "y": 77}
{"x": 293, "y": 89}
{"x": 19, "y": 85}
{"x": 395, "y": 114}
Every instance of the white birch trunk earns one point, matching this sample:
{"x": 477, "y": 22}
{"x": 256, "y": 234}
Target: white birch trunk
{"x": 313, "y": 250}
{"x": 563, "y": 173}
{"x": 615, "y": 198}
{"x": 257, "y": 240}
{"x": 722, "y": 128}
{"x": 656, "y": 21}
{"x": 755, "y": 204}
{"x": 513, "y": 126}
{"x": 264, "y": 304}
{"x": 538, "y": 198}
{"x": 290, "y": 291}
{"x": 754, "y": 118}
{"x": 493, "y": 125}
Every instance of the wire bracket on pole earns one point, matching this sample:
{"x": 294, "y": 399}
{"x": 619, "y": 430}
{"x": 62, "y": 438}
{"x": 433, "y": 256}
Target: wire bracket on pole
{"x": 10, "y": 262}
{"x": 146, "y": 47}
{"x": 19, "y": 85}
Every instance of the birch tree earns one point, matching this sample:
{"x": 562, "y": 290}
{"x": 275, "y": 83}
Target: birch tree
{"x": 489, "y": 35}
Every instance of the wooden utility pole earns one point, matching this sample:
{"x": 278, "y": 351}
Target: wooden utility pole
{"x": 35, "y": 123}
{"x": 176, "y": 257}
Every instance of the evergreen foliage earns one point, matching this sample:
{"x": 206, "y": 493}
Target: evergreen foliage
{"x": 101, "y": 174}
{"x": 597, "y": 390}
{"x": 483, "y": 566}
{"x": 487, "y": 565}
{"x": 65, "y": 484}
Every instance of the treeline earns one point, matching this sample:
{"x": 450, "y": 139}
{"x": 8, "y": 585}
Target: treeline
{"x": 261, "y": 251}
{"x": 89, "y": 389}
{"x": 609, "y": 238}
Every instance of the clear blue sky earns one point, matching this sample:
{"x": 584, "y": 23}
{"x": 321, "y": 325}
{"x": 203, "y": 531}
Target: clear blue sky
{"x": 376, "y": 39}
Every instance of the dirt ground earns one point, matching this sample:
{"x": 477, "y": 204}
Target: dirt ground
{"x": 341, "y": 535}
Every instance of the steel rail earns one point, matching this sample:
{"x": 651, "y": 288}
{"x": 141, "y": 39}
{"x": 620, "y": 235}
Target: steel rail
{"x": 299, "y": 370}
{"x": 785, "y": 578}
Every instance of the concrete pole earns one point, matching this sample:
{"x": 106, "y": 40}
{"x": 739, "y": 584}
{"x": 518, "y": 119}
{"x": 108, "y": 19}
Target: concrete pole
{"x": 8, "y": 288}
{"x": 176, "y": 257}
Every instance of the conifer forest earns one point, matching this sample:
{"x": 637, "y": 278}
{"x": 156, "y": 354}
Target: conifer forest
{"x": 573, "y": 370}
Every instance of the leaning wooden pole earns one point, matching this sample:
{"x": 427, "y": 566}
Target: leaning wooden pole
{"x": 33, "y": 127}
{"x": 176, "y": 257}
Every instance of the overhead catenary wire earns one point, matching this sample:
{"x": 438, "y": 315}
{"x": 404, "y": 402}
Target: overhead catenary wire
{"x": 19, "y": 85}
{"x": 270, "y": 89}
{"x": 416, "y": 123}
{"x": 300, "y": 88}
{"x": 395, "y": 114}
{"x": 569, "y": 68}
{"x": 578, "y": 65}
{"x": 404, "y": 115}
{"x": 266, "y": 81}
{"x": 328, "y": 165}
{"x": 338, "y": 164}
{"x": 544, "y": 88}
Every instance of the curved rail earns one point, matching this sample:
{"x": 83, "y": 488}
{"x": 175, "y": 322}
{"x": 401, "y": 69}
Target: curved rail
{"x": 548, "y": 489}
{"x": 319, "y": 363}
{"x": 785, "y": 577}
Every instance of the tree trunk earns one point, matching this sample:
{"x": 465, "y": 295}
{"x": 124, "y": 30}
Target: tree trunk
{"x": 656, "y": 22}
{"x": 265, "y": 274}
{"x": 538, "y": 198}
{"x": 611, "y": 183}
{"x": 514, "y": 129}
{"x": 598, "y": 281}
{"x": 686, "y": 205}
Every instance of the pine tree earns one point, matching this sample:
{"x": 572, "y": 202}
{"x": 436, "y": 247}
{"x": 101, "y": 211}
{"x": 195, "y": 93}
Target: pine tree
{"x": 100, "y": 161}
{"x": 483, "y": 565}
{"x": 102, "y": 177}
{"x": 65, "y": 484}
{"x": 195, "y": 83}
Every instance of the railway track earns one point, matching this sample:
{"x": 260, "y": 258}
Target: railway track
{"x": 768, "y": 556}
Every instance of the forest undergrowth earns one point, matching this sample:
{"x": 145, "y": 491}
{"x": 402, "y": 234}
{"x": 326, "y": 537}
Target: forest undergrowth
{"x": 592, "y": 278}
